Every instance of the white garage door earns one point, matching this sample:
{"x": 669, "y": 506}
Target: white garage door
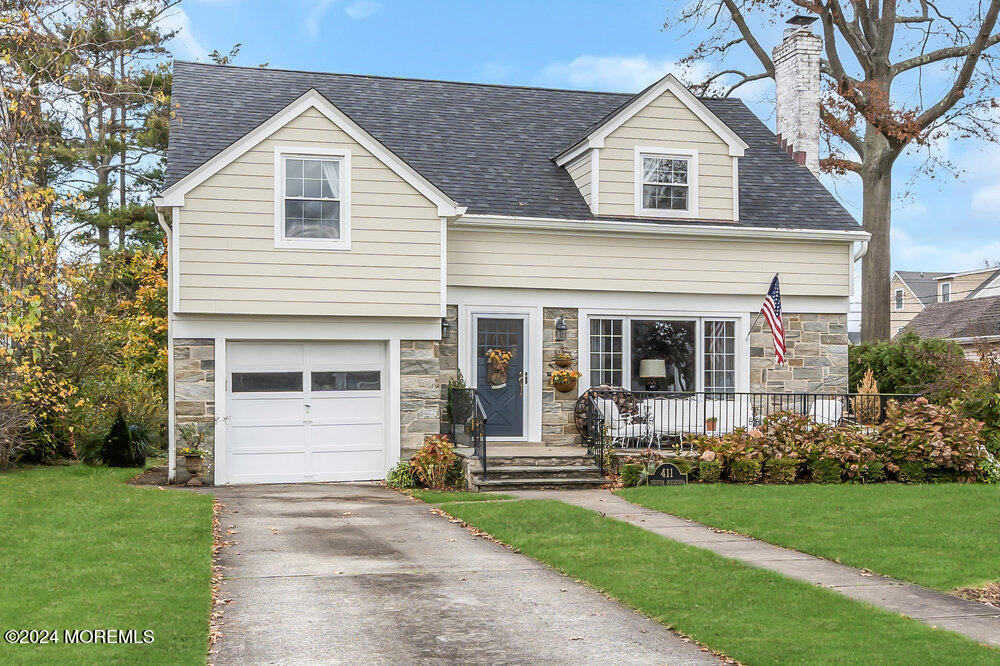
{"x": 306, "y": 411}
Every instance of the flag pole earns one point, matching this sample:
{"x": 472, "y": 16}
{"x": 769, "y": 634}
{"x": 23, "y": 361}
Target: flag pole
{"x": 757, "y": 318}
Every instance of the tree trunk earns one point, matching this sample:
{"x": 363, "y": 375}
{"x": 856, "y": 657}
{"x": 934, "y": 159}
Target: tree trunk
{"x": 876, "y": 265}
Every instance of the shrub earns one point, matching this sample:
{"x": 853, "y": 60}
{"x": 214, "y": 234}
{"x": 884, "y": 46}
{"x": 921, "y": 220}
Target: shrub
{"x": 873, "y": 472}
{"x": 934, "y": 435}
{"x": 456, "y": 475}
{"x": 123, "y": 446}
{"x": 781, "y": 470}
{"x": 433, "y": 460}
{"x": 631, "y": 474}
{"x": 826, "y": 470}
{"x": 745, "y": 470}
{"x": 989, "y": 469}
{"x": 685, "y": 465}
{"x": 14, "y": 422}
{"x": 400, "y": 476}
{"x": 912, "y": 471}
{"x": 906, "y": 364}
{"x": 709, "y": 471}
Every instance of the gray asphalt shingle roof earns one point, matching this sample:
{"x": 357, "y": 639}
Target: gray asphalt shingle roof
{"x": 967, "y": 318}
{"x": 488, "y": 147}
{"x": 922, "y": 284}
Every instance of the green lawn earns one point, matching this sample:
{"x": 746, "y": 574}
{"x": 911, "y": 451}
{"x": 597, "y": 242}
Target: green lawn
{"x": 82, "y": 550}
{"x": 440, "y": 496}
{"x": 939, "y": 535}
{"x": 753, "y": 615}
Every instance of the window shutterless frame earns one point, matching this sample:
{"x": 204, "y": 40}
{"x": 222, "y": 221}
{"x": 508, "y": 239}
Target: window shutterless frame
{"x": 343, "y": 157}
{"x": 691, "y": 156}
{"x": 898, "y": 297}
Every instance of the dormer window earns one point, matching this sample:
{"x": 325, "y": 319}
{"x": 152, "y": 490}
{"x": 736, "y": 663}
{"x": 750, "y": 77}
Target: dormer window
{"x": 945, "y": 292}
{"x": 312, "y": 202}
{"x": 666, "y": 182}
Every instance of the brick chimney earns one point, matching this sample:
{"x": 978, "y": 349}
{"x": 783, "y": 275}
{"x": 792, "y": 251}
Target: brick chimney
{"x": 796, "y": 79}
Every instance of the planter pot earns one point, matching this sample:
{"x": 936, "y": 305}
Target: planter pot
{"x": 563, "y": 362}
{"x": 710, "y": 426}
{"x": 193, "y": 465}
{"x": 566, "y": 386}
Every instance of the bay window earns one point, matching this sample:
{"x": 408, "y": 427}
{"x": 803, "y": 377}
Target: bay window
{"x": 645, "y": 353}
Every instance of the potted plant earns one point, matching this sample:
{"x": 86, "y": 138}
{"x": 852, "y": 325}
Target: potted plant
{"x": 710, "y": 423}
{"x": 192, "y": 451}
{"x": 563, "y": 358}
{"x": 565, "y": 380}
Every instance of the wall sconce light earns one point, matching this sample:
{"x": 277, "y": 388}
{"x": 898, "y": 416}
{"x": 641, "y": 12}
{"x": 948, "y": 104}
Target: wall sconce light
{"x": 560, "y": 329}
{"x": 445, "y": 327}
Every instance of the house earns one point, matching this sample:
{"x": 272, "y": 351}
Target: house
{"x": 973, "y": 321}
{"x": 341, "y": 246}
{"x": 912, "y": 291}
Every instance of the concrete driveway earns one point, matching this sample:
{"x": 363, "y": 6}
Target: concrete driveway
{"x": 359, "y": 574}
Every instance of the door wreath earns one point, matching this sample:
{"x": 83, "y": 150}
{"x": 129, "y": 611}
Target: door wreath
{"x": 497, "y": 362}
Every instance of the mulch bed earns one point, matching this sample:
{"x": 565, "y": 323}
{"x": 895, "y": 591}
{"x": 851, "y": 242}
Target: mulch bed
{"x": 154, "y": 476}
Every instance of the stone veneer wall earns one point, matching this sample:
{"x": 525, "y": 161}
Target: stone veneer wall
{"x": 194, "y": 395}
{"x": 816, "y": 354}
{"x": 420, "y": 393}
{"x": 558, "y": 425}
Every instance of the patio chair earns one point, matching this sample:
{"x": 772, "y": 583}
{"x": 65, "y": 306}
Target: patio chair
{"x": 622, "y": 428}
{"x": 827, "y": 411}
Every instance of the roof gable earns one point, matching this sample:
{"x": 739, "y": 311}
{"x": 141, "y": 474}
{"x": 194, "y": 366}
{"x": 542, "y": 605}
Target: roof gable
{"x": 597, "y": 133}
{"x": 311, "y": 99}
{"x": 922, "y": 284}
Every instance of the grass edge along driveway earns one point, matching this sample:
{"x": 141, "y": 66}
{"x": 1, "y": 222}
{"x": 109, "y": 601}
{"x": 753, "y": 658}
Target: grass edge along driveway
{"x": 942, "y": 536}
{"x": 750, "y": 614}
{"x": 83, "y": 550}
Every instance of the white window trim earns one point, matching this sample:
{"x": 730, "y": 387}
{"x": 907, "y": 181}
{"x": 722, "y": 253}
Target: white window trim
{"x": 667, "y": 151}
{"x": 897, "y": 302}
{"x": 742, "y": 326}
{"x": 342, "y": 243}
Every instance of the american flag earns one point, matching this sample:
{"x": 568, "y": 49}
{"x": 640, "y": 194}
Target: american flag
{"x": 772, "y": 312}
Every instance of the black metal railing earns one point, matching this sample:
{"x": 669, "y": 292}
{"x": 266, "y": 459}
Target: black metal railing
{"x": 469, "y": 421}
{"x": 649, "y": 419}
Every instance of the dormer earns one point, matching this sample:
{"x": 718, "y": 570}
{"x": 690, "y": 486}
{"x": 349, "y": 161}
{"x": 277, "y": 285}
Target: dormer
{"x": 663, "y": 154}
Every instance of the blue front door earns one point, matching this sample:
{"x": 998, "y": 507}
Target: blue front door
{"x": 502, "y": 394}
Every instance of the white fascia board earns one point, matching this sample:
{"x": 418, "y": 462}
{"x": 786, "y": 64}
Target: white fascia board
{"x": 952, "y": 276}
{"x": 174, "y": 195}
{"x": 653, "y": 228}
{"x": 737, "y": 146}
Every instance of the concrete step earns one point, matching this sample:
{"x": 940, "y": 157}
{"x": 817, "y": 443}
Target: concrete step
{"x": 492, "y": 484}
{"x": 535, "y": 471}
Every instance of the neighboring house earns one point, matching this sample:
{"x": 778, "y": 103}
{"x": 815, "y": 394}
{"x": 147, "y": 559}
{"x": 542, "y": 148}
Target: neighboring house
{"x": 912, "y": 291}
{"x": 971, "y": 322}
{"x": 341, "y": 245}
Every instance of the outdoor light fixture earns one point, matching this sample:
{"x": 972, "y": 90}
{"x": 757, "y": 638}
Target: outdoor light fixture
{"x": 560, "y": 329}
{"x": 445, "y": 327}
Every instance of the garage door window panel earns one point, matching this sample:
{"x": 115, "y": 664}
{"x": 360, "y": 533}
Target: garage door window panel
{"x": 267, "y": 382}
{"x": 355, "y": 380}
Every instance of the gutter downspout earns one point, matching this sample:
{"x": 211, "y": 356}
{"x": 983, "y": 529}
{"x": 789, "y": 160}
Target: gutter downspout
{"x": 171, "y": 407}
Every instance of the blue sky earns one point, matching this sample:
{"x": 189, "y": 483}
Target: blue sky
{"x": 946, "y": 223}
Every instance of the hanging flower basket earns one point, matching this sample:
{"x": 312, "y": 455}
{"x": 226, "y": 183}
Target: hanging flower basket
{"x": 565, "y": 380}
{"x": 563, "y": 359}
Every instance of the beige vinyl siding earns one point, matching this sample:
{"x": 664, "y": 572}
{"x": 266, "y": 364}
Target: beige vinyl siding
{"x": 606, "y": 262}
{"x": 911, "y": 306}
{"x": 579, "y": 171}
{"x": 229, "y": 265}
{"x": 963, "y": 285}
{"x": 666, "y": 122}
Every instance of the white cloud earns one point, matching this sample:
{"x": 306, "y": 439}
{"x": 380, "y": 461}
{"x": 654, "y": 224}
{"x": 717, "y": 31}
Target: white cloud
{"x": 315, "y": 17}
{"x": 362, "y": 9}
{"x": 614, "y": 73}
{"x": 908, "y": 254}
{"x": 186, "y": 45}
{"x": 986, "y": 202}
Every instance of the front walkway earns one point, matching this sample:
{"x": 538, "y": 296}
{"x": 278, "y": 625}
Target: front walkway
{"x": 969, "y": 618}
{"x": 354, "y": 573}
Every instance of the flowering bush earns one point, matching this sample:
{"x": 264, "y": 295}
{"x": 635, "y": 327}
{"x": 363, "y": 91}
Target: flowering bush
{"x": 431, "y": 463}
{"x": 917, "y": 438}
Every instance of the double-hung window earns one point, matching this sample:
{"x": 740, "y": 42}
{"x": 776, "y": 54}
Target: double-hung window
{"x": 312, "y": 203}
{"x": 666, "y": 183}
{"x": 899, "y": 299}
{"x": 945, "y": 292}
